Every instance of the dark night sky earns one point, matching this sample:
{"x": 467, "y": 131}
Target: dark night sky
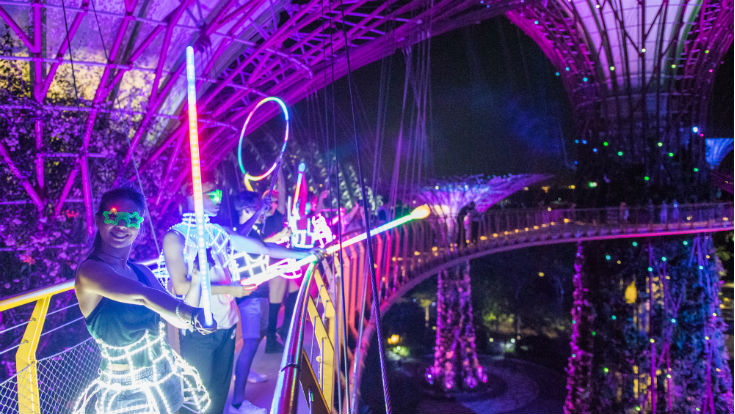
{"x": 497, "y": 106}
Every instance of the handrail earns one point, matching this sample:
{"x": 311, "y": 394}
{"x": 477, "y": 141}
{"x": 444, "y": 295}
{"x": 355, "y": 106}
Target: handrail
{"x": 404, "y": 253}
{"x": 285, "y": 395}
{"x": 35, "y": 295}
{"x": 25, "y": 356}
{"x": 318, "y": 384}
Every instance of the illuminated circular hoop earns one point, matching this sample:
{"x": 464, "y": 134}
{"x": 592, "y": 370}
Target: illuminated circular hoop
{"x": 267, "y": 172}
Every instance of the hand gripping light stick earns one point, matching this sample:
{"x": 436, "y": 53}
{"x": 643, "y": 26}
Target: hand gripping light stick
{"x": 196, "y": 178}
{"x": 420, "y": 212}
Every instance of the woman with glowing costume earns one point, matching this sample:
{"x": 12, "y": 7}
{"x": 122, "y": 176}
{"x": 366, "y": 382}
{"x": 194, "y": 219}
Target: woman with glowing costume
{"x": 123, "y": 303}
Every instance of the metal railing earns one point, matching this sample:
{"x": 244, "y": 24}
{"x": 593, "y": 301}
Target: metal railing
{"x": 316, "y": 354}
{"x": 314, "y": 317}
{"x": 27, "y": 388}
{"x": 406, "y": 255}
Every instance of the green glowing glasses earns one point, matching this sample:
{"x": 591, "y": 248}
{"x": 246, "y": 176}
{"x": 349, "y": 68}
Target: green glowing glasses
{"x": 215, "y": 196}
{"x": 131, "y": 220}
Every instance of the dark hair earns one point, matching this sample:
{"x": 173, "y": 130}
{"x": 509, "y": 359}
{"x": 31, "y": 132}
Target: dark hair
{"x": 120, "y": 193}
{"x": 207, "y": 177}
{"x": 245, "y": 199}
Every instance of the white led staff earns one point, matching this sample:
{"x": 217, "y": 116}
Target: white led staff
{"x": 420, "y": 212}
{"x": 196, "y": 178}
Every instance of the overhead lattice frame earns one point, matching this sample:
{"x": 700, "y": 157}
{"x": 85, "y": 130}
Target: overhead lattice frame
{"x": 637, "y": 72}
{"x": 246, "y": 50}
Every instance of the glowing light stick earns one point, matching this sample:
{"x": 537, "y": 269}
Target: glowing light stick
{"x": 196, "y": 178}
{"x": 299, "y": 180}
{"x": 267, "y": 172}
{"x": 420, "y": 212}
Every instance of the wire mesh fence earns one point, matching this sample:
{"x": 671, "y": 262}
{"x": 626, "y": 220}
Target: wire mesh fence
{"x": 61, "y": 378}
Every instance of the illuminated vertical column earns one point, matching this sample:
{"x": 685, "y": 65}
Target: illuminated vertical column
{"x": 579, "y": 363}
{"x": 196, "y": 178}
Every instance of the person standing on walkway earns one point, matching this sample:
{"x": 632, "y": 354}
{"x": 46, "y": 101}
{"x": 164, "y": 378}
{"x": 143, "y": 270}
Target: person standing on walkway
{"x": 123, "y": 306}
{"x": 254, "y": 307}
{"x": 461, "y": 232}
{"x": 675, "y": 211}
{"x": 212, "y": 355}
{"x": 663, "y": 214}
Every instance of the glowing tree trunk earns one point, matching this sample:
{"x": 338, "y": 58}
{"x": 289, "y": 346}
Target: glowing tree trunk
{"x": 455, "y": 355}
{"x": 579, "y": 367}
{"x": 647, "y": 333}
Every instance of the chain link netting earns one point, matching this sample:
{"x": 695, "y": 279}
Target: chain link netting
{"x": 61, "y": 378}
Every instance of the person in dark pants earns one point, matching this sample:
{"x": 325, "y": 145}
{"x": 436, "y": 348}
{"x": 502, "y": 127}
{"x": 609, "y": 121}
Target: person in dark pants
{"x": 273, "y": 229}
{"x": 254, "y": 307}
{"x": 211, "y": 355}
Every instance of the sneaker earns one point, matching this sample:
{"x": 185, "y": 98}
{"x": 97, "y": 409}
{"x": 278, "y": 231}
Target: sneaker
{"x": 247, "y": 408}
{"x": 255, "y": 378}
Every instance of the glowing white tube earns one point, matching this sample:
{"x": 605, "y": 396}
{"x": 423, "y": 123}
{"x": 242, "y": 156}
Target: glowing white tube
{"x": 196, "y": 178}
{"x": 299, "y": 179}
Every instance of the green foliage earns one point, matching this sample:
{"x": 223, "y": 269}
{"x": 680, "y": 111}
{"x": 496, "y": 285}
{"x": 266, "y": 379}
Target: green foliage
{"x": 670, "y": 322}
{"x": 41, "y": 247}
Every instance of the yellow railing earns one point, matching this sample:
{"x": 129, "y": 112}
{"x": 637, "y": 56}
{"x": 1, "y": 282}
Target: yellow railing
{"x": 25, "y": 356}
{"x": 316, "y": 376}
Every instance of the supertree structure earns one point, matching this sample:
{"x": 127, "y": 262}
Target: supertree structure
{"x": 639, "y": 75}
{"x": 447, "y": 196}
{"x": 455, "y": 356}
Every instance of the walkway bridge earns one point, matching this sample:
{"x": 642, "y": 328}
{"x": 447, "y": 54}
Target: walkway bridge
{"x": 323, "y": 354}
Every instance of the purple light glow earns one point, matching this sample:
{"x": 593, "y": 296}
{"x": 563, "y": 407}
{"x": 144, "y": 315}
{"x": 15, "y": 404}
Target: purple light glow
{"x": 455, "y": 354}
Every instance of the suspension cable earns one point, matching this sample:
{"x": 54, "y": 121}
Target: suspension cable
{"x": 366, "y": 212}
{"x": 71, "y": 57}
{"x": 132, "y": 156}
{"x": 342, "y": 304}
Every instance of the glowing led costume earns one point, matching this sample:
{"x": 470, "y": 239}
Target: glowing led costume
{"x": 310, "y": 232}
{"x": 215, "y": 238}
{"x": 235, "y": 265}
{"x": 165, "y": 386}
{"x": 139, "y": 372}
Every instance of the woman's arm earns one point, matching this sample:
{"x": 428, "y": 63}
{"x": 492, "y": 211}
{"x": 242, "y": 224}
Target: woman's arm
{"x": 191, "y": 298}
{"x": 281, "y": 193}
{"x": 96, "y": 279}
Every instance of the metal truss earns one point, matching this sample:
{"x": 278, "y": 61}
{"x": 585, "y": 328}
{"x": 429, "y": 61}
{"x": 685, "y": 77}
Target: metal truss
{"x": 637, "y": 72}
{"x": 245, "y": 50}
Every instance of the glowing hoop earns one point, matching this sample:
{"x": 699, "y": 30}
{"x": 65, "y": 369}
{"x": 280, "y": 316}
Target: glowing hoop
{"x": 267, "y": 172}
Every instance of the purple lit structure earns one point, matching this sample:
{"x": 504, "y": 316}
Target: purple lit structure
{"x": 101, "y": 86}
{"x": 447, "y": 197}
{"x": 581, "y": 342}
{"x": 455, "y": 353}
{"x": 639, "y": 75}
